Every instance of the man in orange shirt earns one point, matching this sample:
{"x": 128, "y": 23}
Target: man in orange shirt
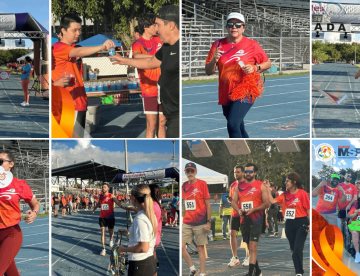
{"x": 66, "y": 74}
{"x": 146, "y": 47}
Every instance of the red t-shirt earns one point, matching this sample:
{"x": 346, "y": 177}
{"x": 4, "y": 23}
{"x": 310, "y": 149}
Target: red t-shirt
{"x": 352, "y": 211}
{"x": 148, "y": 77}
{"x": 350, "y": 192}
{"x": 62, "y": 63}
{"x": 247, "y": 50}
{"x": 294, "y": 205}
{"x": 233, "y": 185}
{"x": 328, "y": 199}
{"x": 107, "y": 206}
{"x": 194, "y": 196}
{"x": 10, "y": 196}
{"x": 250, "y": 196}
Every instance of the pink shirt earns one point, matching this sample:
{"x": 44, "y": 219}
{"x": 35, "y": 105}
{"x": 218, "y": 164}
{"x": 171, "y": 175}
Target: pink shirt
{"x": 157, "y": 211}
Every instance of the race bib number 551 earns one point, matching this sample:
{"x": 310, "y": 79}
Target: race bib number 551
{"x": 246, "y": 205}
{"x": 329, "y": 197}
{"x": 190, "y": 205}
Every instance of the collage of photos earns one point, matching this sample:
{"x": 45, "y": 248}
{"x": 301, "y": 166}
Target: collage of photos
{"x": 180, "y": 137}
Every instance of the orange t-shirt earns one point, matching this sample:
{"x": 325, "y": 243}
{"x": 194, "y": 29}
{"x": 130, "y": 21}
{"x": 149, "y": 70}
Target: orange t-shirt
{"x": 194, "y": 196}
{"x": 148, "y": 77}
{"x": 294, "y": 205}
{"x": 63, "y": 200}
{"x": 328, "y": 198}
{"x": 10, "y": 196}
{"x": 107, "y": 205}
{"x": 233, "y": 186}
{"x": 61, "y": 63}
{"x": 350, "y": 192}
{"x": 250, "y": 196}
{"x": 247, "y": 50}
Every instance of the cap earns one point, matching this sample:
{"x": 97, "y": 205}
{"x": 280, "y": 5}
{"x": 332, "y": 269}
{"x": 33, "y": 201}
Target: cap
{"x": 190, "y": 165}
{"x": 235, "y": 15}
{"x": 169, "y": 13}
{"x": 335, "y": 175}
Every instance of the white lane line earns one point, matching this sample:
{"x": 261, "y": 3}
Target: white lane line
{"x": 303, "y": 134}
{"x": 28, "y": 260}
{"x": 36, "y": 234}
{"x": 65, "y": 253}
{"x": 28, "y": 245}
{"x": 26, "y": 227}
{"x": 170, "y": 262}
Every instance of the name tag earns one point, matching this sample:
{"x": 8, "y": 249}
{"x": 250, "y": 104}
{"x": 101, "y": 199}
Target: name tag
{"x": 247, "y": 205}
{"x": 329, "y": 197}
{"x": 290, "y": 213}
{"x": 104, "y": 207}
{"x": 348, "y": 197}
{"x": 190, "y": 205}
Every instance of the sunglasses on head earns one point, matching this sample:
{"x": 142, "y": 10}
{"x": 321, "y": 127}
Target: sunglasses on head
{"x": 3, "y": 160}
{"x": 248, "y": 171}
{"x": 234, "y": 24}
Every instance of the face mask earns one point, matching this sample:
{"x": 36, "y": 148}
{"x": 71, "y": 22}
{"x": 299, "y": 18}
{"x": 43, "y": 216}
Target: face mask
{"x": 6, "y": 177}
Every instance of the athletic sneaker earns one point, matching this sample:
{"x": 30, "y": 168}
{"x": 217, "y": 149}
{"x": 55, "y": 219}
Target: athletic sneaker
{"x": 299, "y": 275}
{"x": 111, "y": 243}
{"x": 24, "y": 104}
{"x": 103, "y": 252}
{"x": 192, "y": 272}
{"x": 357, "y": 258}
{"x": 234, "y": 261}
{"x": 257, "y": 273}
{"x": 245, "y": 262}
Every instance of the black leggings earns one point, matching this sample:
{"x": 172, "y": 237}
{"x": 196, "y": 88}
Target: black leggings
{"x": 145, "y": 267}
{"x": 296, "y": 234}
{"x": 235, "y": 113}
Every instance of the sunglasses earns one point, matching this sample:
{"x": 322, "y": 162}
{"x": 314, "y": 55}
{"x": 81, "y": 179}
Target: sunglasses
{"x": 189, "y": 171}
{"x": 234, "y": 25}
{"x": 248, "y": 171}
{"x": 4, "y": 160}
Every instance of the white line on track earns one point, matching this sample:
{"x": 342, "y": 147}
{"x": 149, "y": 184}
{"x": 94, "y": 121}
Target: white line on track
{"x": 26, "y": 227}
{"x": 170, "y": 262}
{"x": 33, "y": 259}
{"x": 36, "y": 234}
{"x": 28, "y": 245}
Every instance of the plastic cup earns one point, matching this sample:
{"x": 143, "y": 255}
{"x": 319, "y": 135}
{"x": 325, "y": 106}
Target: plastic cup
{"x": 112, "y": 52}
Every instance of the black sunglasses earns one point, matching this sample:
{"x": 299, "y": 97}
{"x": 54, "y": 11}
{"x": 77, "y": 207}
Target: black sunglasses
{"x": 248, "y": 171}
{"x": 4, "y": 160}
{"x": 234, "y": 25}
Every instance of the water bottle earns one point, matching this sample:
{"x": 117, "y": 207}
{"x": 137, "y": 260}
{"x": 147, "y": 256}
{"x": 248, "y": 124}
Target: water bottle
{"x": 112, "y": 52}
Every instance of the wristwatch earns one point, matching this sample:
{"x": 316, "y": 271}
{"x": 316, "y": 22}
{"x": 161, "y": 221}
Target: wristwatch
{"x": 258, "y": 68}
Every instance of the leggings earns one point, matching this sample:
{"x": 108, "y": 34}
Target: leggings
{"x": 145, "y": 267}
{"x": 296, "y": 234}
{"x": 10, "y": 243}
{"x": 235, "y": 113}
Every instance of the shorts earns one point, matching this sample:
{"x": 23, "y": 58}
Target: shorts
{"x": 151, "y": 105}
{"x": 197, "y": 233}
{"x": 342, "y": 214}
{"x": 235, "y": 223}
{"x": 107, "y": 222}
{"x": 145, "y": 267}
{"x": 250, "y": 231}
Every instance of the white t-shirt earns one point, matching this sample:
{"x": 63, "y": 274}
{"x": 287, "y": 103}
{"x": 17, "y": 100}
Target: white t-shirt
{"x": 141, "y": 231}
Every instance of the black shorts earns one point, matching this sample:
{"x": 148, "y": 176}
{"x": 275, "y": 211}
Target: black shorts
{"x": 107, "y": 222}
{"x": 250, "y": 231}
{"x": 342, "y": 214}
{"x": 145, "y": 267}
{"x": 235, "y": 223}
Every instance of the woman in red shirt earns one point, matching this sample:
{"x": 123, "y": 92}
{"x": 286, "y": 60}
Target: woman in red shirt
{"x": 12, "y": 190}
{"x": 240, "y": 61}
{"x": 295, "y": 205}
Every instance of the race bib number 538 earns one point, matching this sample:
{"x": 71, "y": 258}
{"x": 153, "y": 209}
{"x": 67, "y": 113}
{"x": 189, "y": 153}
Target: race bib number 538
{"x": 190, "y": 205}
{"x": 329, "y": 197}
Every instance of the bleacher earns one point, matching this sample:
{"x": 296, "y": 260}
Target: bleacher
{"x": 204, "y": 21}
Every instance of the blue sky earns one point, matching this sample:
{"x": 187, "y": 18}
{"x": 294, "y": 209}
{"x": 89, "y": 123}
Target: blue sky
{"x": 337, "y": 163}
{"x": 142, "y": 154}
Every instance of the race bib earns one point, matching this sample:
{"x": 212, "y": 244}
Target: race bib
{"x": 190, "y": 205}
{"x": 104, "y": 207}
{"x": 290, "y": 213}
{"x": 247, "y": 205}
{"x": 329, "y": 197}
{"x": 348, "y": 197}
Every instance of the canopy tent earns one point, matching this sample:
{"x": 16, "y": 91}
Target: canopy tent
{"x": 31, "y": 55}
{"x": 98, "y": 40}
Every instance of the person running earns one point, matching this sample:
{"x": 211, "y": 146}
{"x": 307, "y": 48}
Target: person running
{"x": 167, "y": 58}
{"x": 146, "y": 47}
{"x": 142, "y": 234}
{"x": 196, "y": 218}
{"x": 253, "y": 198}
{"x": 12, "y": 190}
{"x": 350, "y": 198}
{"x": 235, "y": 221}
{"x": 295, "y": 204}
{"x": 65, "y": 68}
{"x": 329, "y": 195}
{"x": 225, "y": 210}
{"x": 25, "y": 80}
{"x": 240, "y": 61}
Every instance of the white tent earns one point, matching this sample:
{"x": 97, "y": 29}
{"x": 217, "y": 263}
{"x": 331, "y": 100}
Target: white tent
{"x": 206, "y": 174}
{"x": 31, "y": 55}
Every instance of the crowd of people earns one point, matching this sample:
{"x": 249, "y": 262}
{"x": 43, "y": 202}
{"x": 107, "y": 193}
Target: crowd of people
{"x": 244, "y": 206}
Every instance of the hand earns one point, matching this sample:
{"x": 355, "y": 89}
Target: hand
{"x": 207, "y": 227}
{"x": 64, "y": 81}
{"x": 108, "y": 44}
{"x": 118, "y": 59}
{"x": 121, "y": 249}
{"x": 249, "y": 68}
{"x": 30, "y": 216}
{"x": 250, "y": 211}
{"x": 323, "y": 183}
{"x": 241, "y": 212}
{"x": 217, "y": 55}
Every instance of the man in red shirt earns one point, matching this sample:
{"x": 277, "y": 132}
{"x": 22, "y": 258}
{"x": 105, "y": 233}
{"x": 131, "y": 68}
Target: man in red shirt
{"x": 146, "y": 47}
{"x": 66, "y": 74}
{"x": 351, "y": 197}
{"x": 252, "y": 196}
{"x": 196, "y": 218}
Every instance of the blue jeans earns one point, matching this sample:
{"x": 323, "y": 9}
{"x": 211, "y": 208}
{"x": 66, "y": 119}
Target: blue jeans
{"x": 235, "y": 113}
{"x": 225, "y": 223}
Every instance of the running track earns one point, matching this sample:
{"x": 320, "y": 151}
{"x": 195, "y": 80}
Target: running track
{"x": 76, "y": 246}
{"x": 33, "y": 257}
{"x": 282, "y": 111}
{"x": 329, "y": 118}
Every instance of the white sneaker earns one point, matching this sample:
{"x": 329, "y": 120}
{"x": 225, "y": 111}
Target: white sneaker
{"x": 234, "y": 261}
{"x": 245, "y": 262}
{"x": 23, "y": 104}
{"x": 357, "y": 258}
{"x": 111, "y": 243}
{"x": 103, "y": 252}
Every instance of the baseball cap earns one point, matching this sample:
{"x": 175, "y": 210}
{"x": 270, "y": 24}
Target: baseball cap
{"x": 190, "y": 165}
{"x": 169, "y": 13}
{"x": 236, "y": 15}
{"x": 335, "y": 175}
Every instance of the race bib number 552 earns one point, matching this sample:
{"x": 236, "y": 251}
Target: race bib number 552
{"x": 290, "y": 213}
{"x": 104, "y": 207}
{"x": 190, "y": 205}
{"x": 329, "y": 197}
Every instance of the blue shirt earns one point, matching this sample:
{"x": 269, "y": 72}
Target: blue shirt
{"x": 26, "y": 69}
